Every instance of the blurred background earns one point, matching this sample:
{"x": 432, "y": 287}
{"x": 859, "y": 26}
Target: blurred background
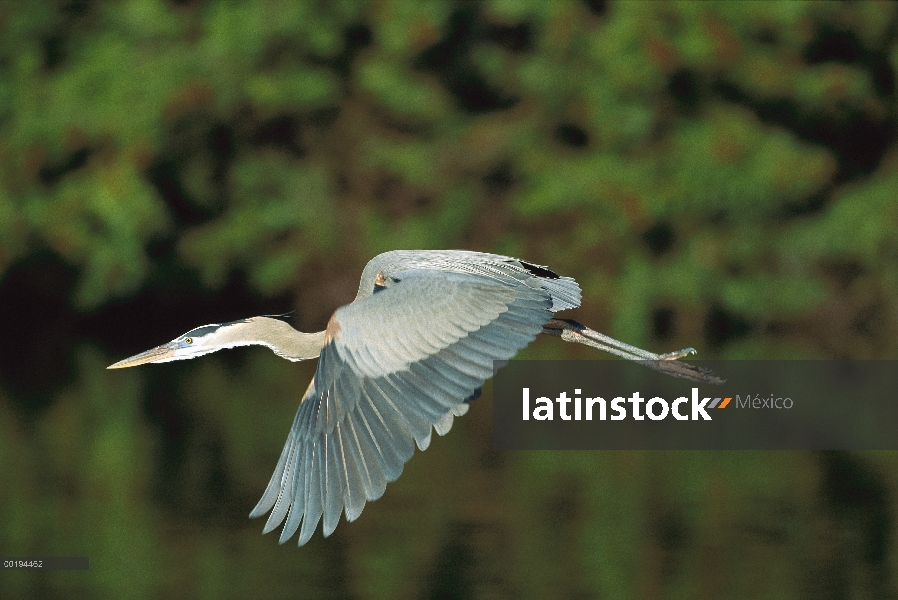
{"x": 716, "y": 175}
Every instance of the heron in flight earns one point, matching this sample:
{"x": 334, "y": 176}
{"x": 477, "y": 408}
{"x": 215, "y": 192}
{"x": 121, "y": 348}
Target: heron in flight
{"x": 402, "y": 359}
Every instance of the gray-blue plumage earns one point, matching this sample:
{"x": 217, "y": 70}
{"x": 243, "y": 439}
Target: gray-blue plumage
{"x": 402, "y": 360}
{"x": 399, "y": 363}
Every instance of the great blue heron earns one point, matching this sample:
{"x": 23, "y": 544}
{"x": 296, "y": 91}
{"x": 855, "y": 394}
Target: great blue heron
{"x": 417, "y": 342}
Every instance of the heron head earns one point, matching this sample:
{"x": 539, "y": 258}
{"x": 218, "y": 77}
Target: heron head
{"x": 195, "y": 342}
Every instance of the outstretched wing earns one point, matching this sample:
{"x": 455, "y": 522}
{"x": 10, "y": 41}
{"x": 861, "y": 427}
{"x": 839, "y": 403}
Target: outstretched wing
{"x": 394, "y": 365}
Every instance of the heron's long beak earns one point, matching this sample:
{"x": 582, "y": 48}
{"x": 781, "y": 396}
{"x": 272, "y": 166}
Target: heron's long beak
{"x": 154, "y": 355}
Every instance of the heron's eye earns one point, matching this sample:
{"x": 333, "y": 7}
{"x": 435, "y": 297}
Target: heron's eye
{"x": 188, "y": 340}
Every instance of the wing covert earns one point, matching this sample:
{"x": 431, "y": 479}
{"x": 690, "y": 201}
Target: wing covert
{"x": 398, "y": 364}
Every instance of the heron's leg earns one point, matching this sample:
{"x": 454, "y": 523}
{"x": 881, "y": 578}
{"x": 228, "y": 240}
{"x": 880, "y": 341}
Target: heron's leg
{"x": 568, "y": 335}
{"x": 572, "y": 331}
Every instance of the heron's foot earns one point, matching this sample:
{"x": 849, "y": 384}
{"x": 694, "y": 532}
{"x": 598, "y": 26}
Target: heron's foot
{"x": 683, "y": 370}
{"x": 676, "y": 355}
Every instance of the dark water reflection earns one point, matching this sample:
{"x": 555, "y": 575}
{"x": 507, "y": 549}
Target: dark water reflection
{"x": 151, "y": 473}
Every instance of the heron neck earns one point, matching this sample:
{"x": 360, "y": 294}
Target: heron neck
{"x": 299, "y": 346}
{"x": 277, "y": 335}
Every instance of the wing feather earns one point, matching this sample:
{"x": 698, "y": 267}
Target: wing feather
{"x": 353, "y": 485}
{"x": 274, "y": 489}
{"x": 444, "y": 423}
{"x": 442, "y": 375}
{"x": 333, "y": 490}
{"x": 400, "y": 366}
{"x": 313, "y": 495}
{"x": 297, "y": 507}
{"x": 393, "y": 436}
{"x": 283, "y": 501}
